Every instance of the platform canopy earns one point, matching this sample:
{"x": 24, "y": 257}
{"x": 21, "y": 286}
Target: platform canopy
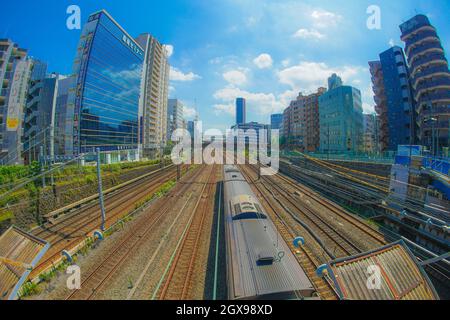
{"x": 19, "y": 254}
{"x": 388, "y": 273}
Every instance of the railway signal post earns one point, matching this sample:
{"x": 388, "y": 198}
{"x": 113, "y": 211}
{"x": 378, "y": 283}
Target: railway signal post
{"x": 100, "y": 191}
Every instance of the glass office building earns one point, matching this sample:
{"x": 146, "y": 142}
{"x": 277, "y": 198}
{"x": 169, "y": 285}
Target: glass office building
{"x": 104, "y": 108}
{"x": 276, "y": 121}
{"x": 241, "y": 111}
{"x": 341, "y": 120}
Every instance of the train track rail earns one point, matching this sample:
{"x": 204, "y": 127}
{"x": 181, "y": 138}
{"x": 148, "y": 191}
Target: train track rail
{"x": 355, "y": 221}
{"x": 332, "y": 237}
{"x": 136, "y": 236}
{"x": 179, "y": 281}
{"x": 307, "y": 259}
{"x": 67, "y": 233}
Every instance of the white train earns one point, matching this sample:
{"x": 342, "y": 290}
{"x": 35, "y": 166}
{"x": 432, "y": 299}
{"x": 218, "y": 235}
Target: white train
{"x": 260, "y": 264}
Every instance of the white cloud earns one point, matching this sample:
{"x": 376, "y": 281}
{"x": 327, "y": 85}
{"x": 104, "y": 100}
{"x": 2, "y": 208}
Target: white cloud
{"x": 263, "y": 61}
{"x": 260, "y": 103}
{"x": 189, "y": 113}
{"x": 177, "y": 75}
{"x": 224, "y": 108}
{"x": 324, "y": 19}
{"x": 308, "y": 34}
{"x": 252, "y": 21}
{"x": 391, "y": 42}
{"x": 285, "y": 63}
{"x": 308, "y": 76}
{"x": 235, "y": 77}
{"x": 169, "y": 50}
{"x": 286, "y": 97}
{"x": 367, "y": 108}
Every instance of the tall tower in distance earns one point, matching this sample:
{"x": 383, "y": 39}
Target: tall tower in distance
{"x": 241, "y": 111}
{"x": 430, "y": 79}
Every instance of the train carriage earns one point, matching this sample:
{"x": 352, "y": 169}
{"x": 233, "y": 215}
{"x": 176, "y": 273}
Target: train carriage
{"x": 260, "y": 264}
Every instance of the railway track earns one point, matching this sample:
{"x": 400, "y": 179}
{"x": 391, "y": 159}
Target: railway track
{"x": 179, "y": 281}
{"x": 307, "y": 259}
{"x": 353, "y": 220}
{"x": 328, "y": 233}
{"x": 68, "y": 232}
{"x": 345, "y": 243}
{"x": 129, "y": 243}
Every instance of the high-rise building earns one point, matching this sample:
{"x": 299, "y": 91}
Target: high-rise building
{"x": 341, "y": 120}
{"x": 334, "y": 81}
{"x": 398, "y": 110}
{"x": 174, "y": 117}
{"x": 376, "y": 71}
{"x": 191, "y": 128}
{"x": 430, "y": 78}
{"x": 371, "y": 134}
{"x": 15, "y": 75}
{"x": 39, "y": 70}
{"x": 276, "y": 121}
{"x": 38, "y": 117}
{"x": 103, "y": 110}
{"x": 241, "y": 110}
{"x": 44, "y": 120}
{"x": 301, "y": 122}
{"x": 155, "y": 90}
{"x": 64, "y": 85}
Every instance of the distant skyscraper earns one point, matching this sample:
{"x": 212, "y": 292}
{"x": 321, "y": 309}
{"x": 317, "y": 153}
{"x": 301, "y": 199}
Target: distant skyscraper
{"x": 191, "y": 128}
{"x": 398, "y": 113}
{"x": 174, "y": 116}
{"x": 154, "y": 95}
{"x": 334, "y": 81}
{"x": 276, "y": 121}
{"x": 341, "y": 119}
{"x": 241, "y": 110}
{"x": 15, "y": 75}
{"x": 104, "y": 107}
{"x": 430, "y": 79}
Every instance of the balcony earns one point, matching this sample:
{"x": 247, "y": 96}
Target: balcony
{"x": 426, "y": 60}
{"x": 423, "y": 47}
{"x": 428, "y": 98}
{"x": 443, "y": 83}
{"x": 424, "y": 73}
{"x": 418, "y": 39}
{"x": 415, "y": 32}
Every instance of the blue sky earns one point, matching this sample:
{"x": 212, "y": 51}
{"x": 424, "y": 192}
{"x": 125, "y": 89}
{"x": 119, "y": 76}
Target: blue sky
{"x": 266, "y": 51}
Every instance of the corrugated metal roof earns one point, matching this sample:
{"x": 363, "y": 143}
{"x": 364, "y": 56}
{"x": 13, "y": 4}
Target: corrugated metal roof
{"x": 19, "y": 253}
{"x": 389, "y": 273}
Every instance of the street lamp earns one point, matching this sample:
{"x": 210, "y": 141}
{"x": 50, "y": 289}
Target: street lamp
{"x": 433, "y": 135}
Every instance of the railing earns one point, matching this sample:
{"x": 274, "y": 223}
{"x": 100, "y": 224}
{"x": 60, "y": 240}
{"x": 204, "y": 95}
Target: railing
{"x": 385, "y": 158}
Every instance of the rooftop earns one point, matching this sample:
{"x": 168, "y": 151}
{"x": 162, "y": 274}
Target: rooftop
{"x": 400, "y": 276}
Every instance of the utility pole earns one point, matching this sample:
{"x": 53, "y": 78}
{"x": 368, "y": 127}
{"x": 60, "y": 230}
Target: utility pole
{"x": 41, "y": 164}
{"x": 100, "y": 191}
{"x": 328, "y": 138}
{"x": 161, "y": 156}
